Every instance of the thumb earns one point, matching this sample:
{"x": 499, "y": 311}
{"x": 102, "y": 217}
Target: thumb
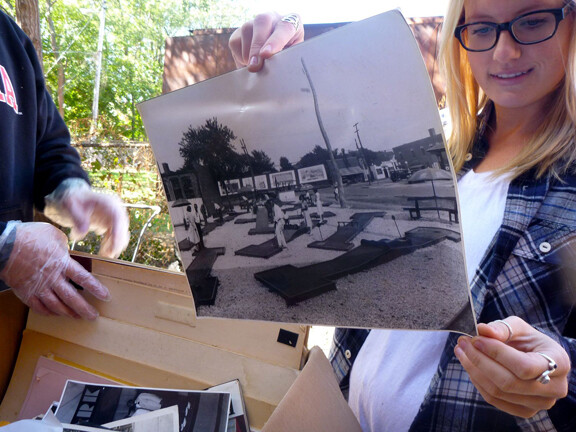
{"x": 260, "y": 45}
{"x": 501, "y": 330}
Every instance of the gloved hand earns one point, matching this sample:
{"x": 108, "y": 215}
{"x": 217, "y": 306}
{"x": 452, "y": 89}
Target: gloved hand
{"x": 74, "y": 204}
{"x": 38, "y": 269}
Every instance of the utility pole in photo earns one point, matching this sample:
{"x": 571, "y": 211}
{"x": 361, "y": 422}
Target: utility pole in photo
{"x": 360, "y": 147}
{"x": 335, "y": 169}
{"x": 249, "y": 160}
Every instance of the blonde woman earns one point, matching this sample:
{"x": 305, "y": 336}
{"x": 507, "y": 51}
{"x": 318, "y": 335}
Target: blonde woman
{"x": 510, "y": 69}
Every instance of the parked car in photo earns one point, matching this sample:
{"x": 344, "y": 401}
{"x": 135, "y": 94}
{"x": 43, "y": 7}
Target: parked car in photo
{"x": 399, "y": 174}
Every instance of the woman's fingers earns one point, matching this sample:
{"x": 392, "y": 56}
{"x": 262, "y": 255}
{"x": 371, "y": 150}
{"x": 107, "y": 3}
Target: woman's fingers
{"x": 505, "y": 362}
{"x": 261, "y": 38}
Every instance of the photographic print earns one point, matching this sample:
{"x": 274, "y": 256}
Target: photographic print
{"x": 95, "y": 405}
{"x": 162, "y": 420}
{"x": 238, "y": 418}
{"x": 357, "y": 223}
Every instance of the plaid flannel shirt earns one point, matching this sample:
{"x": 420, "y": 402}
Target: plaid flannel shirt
{"x": 521, "y": 274}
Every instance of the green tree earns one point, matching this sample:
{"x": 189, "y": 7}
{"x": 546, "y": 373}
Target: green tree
{"x": 133, "y": 55}
{"x": 7, "y": 6}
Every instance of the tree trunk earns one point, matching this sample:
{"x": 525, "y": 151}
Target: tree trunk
{"x": 28, "y": 18}
{"x": 59, "y": 61}
{"x": 102, "y": 29}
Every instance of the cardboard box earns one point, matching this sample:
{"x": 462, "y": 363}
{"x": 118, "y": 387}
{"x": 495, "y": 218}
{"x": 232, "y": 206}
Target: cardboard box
{"x": 148, "y": 335}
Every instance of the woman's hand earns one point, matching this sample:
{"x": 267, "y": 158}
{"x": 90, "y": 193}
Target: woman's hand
{"x": 504, "y": 364}
{"x": 264, "y": 36}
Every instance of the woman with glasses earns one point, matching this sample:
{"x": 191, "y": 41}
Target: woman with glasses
{"x": 510, "y": 69}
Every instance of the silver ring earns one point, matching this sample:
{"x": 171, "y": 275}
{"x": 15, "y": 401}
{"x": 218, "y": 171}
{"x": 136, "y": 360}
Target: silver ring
{"x": 292, "y": 19}
{"x": 544, "y": 378}
{"x": 510, "y": 332}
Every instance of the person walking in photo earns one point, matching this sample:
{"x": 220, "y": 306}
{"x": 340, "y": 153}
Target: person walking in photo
{"x": 198, "y": 223}
{"x": 305, "y": 209}
{"x": 319, "y": 208}
{"x": 279, "y": 223}
{"x": 193, "y": 235}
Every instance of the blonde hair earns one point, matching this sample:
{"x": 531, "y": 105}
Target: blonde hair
{"x": 551, "y": 151}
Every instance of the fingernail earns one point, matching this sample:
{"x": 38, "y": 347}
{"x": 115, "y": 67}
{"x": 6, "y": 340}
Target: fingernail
{"x": 463, "y": 343}
{"x": 458, "y": 351}
{"x": 253, "y": 61}
{"x": 90, "y": 315}
{"x": 103, "y": 294}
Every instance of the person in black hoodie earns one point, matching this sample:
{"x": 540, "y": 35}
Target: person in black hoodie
{"x": 39, "y": 168}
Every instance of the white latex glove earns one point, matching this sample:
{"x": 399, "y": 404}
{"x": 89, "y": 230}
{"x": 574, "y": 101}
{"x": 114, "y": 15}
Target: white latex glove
{"x": 39, "y": 268}
{"x": 74, "y": 204}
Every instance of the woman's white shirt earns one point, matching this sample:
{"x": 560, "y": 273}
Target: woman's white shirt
{"x": 482, "y": 200}
{"x": 393, "y": 369}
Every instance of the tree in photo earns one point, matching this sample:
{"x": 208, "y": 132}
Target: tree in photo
{"x": 261, "y": 162}
{"x": 210, "y": 145}
{"x": 318, "y": 156}
{"x": 285, "y": 164}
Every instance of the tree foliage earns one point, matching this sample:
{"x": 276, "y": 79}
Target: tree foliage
{"x": 261, "y": 162}
{"x": 210, "y": 145}
{"x": 8, "y": 6}
{"x": 285, "y": 164}
{"x": 317, "y": 156}
{"x": 133, "y": 54}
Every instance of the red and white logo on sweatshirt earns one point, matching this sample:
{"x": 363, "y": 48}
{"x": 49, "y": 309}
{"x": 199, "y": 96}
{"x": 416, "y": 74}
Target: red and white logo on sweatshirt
{"x": 7, "y": 94}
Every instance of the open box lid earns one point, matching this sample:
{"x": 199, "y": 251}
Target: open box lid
{"x": 148, "y": 335}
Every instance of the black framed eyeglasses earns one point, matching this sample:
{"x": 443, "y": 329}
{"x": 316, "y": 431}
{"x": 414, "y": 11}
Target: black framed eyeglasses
{"x": 527, "y": 29}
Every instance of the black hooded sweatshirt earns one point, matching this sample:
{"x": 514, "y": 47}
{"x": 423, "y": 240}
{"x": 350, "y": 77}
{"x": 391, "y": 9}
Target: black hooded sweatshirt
{"x": 35, "y": 151}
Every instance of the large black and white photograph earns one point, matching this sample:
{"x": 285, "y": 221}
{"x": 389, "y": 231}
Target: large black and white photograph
{"x": 319, "y": 190}
{"x": 95, "y": 405}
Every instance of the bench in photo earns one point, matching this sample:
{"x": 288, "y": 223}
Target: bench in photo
{"x": 430, "y": 203}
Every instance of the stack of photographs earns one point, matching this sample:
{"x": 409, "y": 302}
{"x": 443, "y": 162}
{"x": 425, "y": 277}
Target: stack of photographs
{"x": 123, "y": 408}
